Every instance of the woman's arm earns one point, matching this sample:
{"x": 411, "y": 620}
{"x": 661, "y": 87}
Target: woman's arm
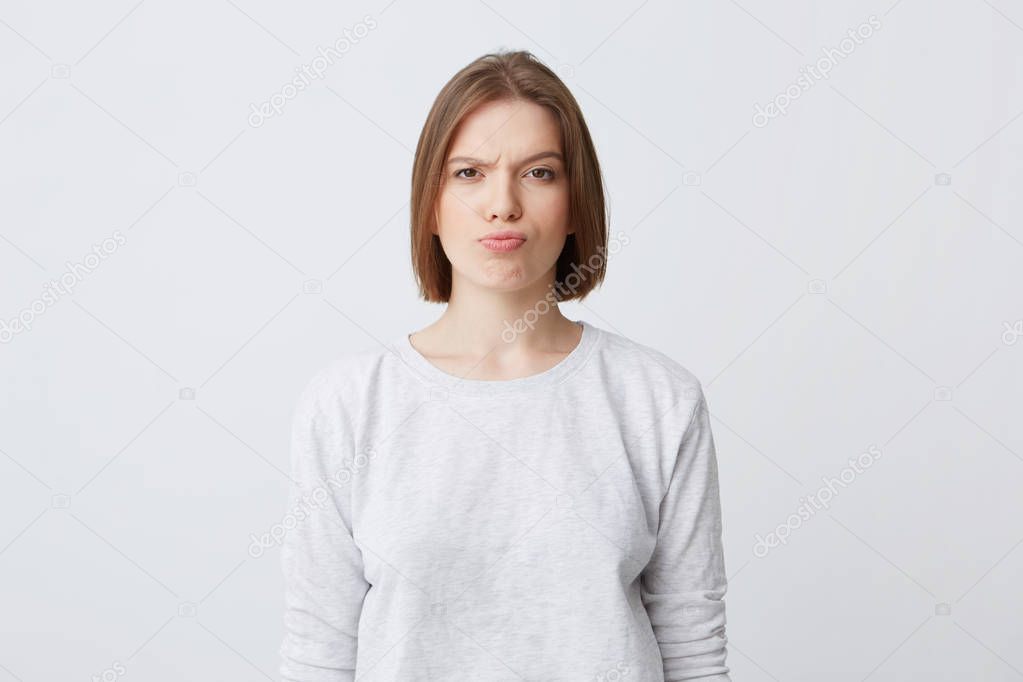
{"x": 323, "y": 569}
{"x": 684, "y": 584}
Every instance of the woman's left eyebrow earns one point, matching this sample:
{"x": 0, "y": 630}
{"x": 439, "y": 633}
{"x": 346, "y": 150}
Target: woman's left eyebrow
{"x": 487, "y": 164}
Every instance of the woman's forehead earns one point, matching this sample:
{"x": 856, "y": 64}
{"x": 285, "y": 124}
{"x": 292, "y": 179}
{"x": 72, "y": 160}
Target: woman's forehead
{"x": 516, "y": 128}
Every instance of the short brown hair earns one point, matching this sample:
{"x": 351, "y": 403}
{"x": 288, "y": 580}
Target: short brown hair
{"x": 494, "y": 77}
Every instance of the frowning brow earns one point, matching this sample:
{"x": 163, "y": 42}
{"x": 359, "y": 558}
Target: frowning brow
{"x": 489, "y": 164}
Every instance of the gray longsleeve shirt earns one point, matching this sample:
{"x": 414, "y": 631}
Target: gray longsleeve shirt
{"x": 561, "y": 526}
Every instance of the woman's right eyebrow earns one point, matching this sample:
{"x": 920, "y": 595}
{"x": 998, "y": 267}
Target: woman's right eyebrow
{"x": 469, "y": 160}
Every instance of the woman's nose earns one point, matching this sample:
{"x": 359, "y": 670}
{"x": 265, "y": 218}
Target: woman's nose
{"x": 504, "y": 201}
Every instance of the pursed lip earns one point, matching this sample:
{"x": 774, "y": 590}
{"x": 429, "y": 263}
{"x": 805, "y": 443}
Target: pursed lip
{"x": 504, "y": 234}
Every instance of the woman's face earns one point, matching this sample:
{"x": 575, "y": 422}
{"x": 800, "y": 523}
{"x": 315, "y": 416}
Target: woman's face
{"x": 504, "y": 176}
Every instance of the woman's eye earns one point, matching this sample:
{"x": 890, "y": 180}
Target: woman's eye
{"x": 537, "y": 173}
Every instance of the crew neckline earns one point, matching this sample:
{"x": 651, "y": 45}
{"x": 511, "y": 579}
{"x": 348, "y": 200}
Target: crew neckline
{"x": 499, "y": 387}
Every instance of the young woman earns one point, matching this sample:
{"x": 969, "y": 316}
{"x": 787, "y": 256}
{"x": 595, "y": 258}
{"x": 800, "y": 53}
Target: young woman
{"x": 506, "y": 494}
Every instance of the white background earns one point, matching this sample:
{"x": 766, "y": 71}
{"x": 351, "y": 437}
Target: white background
{"x": 829, "y": 290}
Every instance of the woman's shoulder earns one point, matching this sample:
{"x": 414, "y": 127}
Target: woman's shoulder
{"x": 344, "y": 375}
{"x": 642, "y": 365}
